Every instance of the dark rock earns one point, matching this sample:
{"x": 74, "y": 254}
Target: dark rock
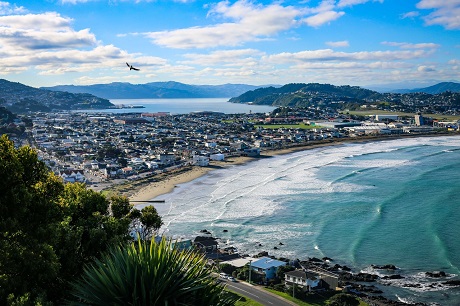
{"x": 345, "y": 268}
{"x": 314, "y": 259}
{"x": 452, "y": 282}
{"x": 204, "y": 231}
{"x": 360, "y": 277}
{"x": 436, "y": 274}
{"x": 395, "y": 276}
{"x": 281, "y": 243}
{"x": 327, "y": 258}
{"x": 262, "y": 254}
{"x": 225, "y": 231}
{"x": 275, "y": 248}
{"x": 385, "y": 267}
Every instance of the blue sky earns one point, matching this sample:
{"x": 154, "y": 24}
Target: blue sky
{"x": 389, "y": 43}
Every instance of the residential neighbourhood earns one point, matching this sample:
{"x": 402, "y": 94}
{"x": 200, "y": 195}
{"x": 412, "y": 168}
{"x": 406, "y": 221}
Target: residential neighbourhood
{"x": 101, "y": 147}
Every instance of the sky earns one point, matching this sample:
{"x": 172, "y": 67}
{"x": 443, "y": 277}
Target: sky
{"x": 368, "y": 43}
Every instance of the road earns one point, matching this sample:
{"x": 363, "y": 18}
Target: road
{"x": 257, "y": 294}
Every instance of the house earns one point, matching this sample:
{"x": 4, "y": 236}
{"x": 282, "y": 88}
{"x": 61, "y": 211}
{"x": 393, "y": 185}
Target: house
{"x": 252, "y": 152}
{"x": 72, "y": 176}
{"x": 201, "y": 161}
{"x": 312, "y": 279}
{"x": 267, "y": 266}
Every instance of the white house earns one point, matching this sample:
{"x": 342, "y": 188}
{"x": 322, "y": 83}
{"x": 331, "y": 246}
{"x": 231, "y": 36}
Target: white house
{"x": 218, "y": 156}
{"x": 200, "y": 160}
{"x": 72, "y": 176}
{"x": 311, "y": 279}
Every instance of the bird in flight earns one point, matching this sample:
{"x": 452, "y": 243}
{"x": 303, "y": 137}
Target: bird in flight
{"x": 131, "y": 67}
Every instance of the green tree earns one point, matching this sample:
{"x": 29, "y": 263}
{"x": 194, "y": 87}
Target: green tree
{"x": 49, "y": 231}
{"x": 29, "y": 215}
{"x": 90, "y": 224}
{"x": 281, "y": 270}
{"x": 149, "y": 273}
{"x": 343, "y": 299}
{"x": 146, "y": 222}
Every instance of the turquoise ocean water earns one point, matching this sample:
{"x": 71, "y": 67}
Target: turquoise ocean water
{"x": 385, "y": 202}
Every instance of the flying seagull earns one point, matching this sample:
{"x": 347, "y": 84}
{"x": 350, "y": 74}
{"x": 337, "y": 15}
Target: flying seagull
{"x": 131, "y": 67}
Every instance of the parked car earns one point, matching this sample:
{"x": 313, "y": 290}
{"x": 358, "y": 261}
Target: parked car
{"x": 222, "y": 275}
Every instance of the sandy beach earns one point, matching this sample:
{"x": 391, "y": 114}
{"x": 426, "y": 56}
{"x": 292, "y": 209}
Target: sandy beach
{"x": 153, "y": 190}
{"x": 146, "y": 192}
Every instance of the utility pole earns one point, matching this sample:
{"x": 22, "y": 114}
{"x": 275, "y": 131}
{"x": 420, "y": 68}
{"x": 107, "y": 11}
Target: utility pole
{"x": 250, "y": 271}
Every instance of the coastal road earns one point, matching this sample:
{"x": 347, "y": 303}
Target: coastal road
{"x": 257, "y": 294}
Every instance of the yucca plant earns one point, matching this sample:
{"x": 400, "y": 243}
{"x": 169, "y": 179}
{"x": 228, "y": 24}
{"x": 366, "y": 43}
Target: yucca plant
{"x": 149, "y": 273}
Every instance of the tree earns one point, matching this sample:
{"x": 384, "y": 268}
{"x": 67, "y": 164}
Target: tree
{"x": 343, "y": 299}
{"x": 281, "y": 270}
{"x": 149, "y": 273}
{"x": 29, "y": 215}
{"x": 146, "y": 222}
{"x": 49, "y": 231}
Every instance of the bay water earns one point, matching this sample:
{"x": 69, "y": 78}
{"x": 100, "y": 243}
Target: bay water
{"x": 384, "y": 202}
{"x": 185, "y": 106}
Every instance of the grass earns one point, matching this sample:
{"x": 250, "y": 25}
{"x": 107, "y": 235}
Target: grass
{"x": 244, "y": 301}
{"x": 314, "y": 300}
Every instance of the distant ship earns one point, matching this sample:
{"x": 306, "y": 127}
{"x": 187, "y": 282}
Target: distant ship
{"x": 128, "y": 106}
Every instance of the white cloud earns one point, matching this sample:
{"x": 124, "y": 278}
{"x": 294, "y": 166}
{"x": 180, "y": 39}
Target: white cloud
{"x": 8, "y": 9}
{"x": 338, "y": 44}
{"x": 426, "y": 68}
{"x": 250, "y": 22}
{"x": 343, "y": 3}
{"x": 446, "y": 13}
{"x": 247, "y": 57}
{"x": 48, "y": 43}
{"x": 322, "y": 18}
{"x": 412, "y": 14}
{"x": 404, "y": 45}
{"x": 330, "y": 55}
{"x": 42, "y": 31}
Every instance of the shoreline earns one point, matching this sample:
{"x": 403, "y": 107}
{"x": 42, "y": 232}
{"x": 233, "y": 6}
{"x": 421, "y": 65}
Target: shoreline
{"x": 144, "y": 192}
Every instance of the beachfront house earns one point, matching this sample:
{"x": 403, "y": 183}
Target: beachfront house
{"x": 200, "y": 160}
{"x": 267, "y": 266}
{"x": 312, "y": 279}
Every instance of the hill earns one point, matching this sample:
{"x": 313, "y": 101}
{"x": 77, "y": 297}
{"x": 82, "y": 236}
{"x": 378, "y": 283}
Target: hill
{"x": 156, "y": 90}
{"x": 300, "y": 94}
{"x": 20, "y": 98}
{"x": 435, "y": 89}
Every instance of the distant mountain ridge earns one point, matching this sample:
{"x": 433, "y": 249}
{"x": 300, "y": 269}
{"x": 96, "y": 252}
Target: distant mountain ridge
{"x": 434, "y": 89}
{"x": 156, "y": 90}
{"x": 20, "y": 98}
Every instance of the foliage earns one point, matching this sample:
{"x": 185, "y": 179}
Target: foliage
{"x": 343, "y": 299}
{"x": 152, "y": 273}
{"x": 283, "y": 269}
{"x": 146, "y": 222}
{"x": 28, "y": 217}
{"x": 227, "y": 268}
{"x": 49, "y": 231}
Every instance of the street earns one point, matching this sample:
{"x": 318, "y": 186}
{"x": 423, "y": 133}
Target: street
{"x": 257, "y": 294}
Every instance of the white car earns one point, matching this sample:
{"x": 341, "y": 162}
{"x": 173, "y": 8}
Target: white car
{"x": 222, "y": 275}
{"x": 231, "y": 278}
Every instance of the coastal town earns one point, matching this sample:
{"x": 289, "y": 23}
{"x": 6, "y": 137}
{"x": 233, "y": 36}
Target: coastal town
{"x": 105, "y": 149}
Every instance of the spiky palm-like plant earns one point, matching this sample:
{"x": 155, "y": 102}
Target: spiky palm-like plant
{"x": 152, "y": 273}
